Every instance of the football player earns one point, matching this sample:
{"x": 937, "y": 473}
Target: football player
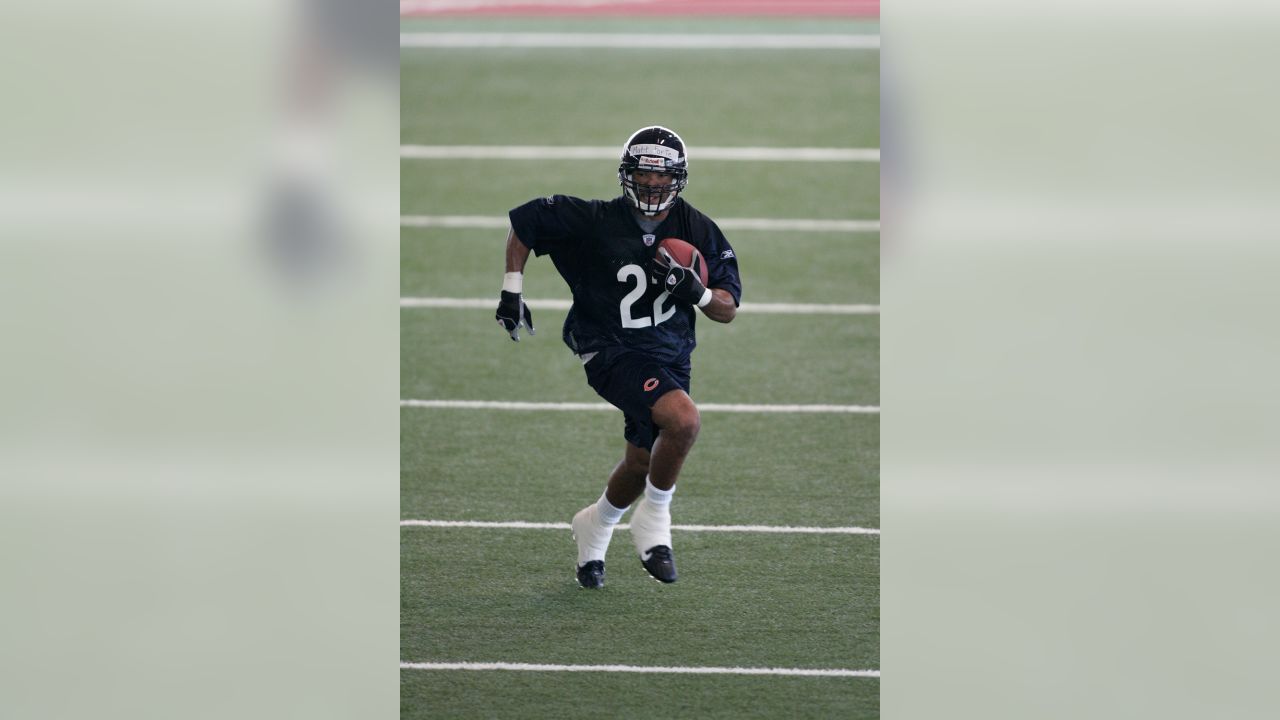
{"x": 632, "y": 326}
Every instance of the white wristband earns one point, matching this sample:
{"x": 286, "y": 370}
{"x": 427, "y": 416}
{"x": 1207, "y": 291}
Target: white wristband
{"x": 513, "y": 282}
{"x": 705, "y": 299}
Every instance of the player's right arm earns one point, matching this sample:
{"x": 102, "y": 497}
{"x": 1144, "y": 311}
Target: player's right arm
{"x": 517, "y": 253}
{"x": 512, "y": 311}
{"x": 545, "y": 225}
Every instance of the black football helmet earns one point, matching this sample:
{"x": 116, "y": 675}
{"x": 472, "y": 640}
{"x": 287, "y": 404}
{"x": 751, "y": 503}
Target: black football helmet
{"x": 659, "y": 150}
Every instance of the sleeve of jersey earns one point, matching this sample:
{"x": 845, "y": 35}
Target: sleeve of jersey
{"x": 722, "y": 265}
{"x": 551, "y": 223}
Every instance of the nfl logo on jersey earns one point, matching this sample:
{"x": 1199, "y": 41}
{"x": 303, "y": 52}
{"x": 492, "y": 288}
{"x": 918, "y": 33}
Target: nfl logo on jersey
{"x": 648, "y": 240}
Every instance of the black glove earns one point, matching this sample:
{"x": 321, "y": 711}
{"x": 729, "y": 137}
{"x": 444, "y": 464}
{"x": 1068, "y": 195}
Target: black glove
{"x": 682, "y": 283}
{"x": 512, "y": 313}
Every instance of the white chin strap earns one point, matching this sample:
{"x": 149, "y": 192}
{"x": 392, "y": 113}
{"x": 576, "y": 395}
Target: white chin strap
{"x": 650, "y": 208}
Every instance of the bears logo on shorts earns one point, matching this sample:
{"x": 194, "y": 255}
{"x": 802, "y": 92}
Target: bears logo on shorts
{"x": 650, "y": 384}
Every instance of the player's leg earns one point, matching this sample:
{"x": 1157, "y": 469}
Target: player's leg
{"x": 593, "y": 525}
{"x": 677, "y": 417}
{"x": 647, "y": 393}
{"x": 626, "y": 482}
{"x": 590, "y": 531}
{"x": 679, "y": 422}
{"x": 592, "y": 536}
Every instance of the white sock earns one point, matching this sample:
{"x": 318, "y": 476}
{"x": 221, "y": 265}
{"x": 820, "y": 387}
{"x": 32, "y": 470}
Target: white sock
{"x": 656, "y": 496}
{"x": 609, "y": 515}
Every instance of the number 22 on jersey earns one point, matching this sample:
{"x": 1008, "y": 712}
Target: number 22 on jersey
{"x": 636, "y": 274}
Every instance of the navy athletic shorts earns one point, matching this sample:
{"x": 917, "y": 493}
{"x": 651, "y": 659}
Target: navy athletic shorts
{"x": 633, "y": 382}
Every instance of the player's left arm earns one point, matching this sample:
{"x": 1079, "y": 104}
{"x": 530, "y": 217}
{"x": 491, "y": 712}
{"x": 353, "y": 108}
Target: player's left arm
{"x": 724, "y": 281}
{"x": 722, "y": 308}
{"x": 684, "y": 284}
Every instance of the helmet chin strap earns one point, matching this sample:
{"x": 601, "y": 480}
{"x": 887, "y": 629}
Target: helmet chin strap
{"x": 643, "y": 206}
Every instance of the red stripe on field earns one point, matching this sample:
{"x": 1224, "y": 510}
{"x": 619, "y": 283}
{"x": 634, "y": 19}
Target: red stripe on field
{"x": 825, "y": 8}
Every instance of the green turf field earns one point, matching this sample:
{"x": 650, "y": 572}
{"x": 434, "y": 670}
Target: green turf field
{"x": 744, "y": 599}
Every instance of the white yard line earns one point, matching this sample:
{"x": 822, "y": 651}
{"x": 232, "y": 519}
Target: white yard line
{"x": 704, "y": 407}
{"x": 799, "y": 225}
{"x": 551, "y": 304}
{"x": 455, "y": 221}
{"x": 685, "y": 41}
{"x": 477, "y": 303}
{"x": 500, "y": 222}
{"x": 660, "y": 670}
{"x": 807, "y": 309}
{"x": 523, "y": 525}
{"x": 612, "y": 152}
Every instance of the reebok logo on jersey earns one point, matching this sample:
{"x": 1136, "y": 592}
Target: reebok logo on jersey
{"x": 650, "y": 384}
{"x": 726, "y": 254}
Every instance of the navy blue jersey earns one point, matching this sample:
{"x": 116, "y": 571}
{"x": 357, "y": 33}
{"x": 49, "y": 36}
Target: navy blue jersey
{"x": 604, "y": 255}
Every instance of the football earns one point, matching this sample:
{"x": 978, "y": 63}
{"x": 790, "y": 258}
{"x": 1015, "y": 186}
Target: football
{"x": 684, "y": 253}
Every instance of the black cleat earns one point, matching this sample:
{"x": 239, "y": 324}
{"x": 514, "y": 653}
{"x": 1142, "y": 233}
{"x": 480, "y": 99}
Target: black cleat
{"x": 591, "y": 574}
{"x": 660, "y": 563}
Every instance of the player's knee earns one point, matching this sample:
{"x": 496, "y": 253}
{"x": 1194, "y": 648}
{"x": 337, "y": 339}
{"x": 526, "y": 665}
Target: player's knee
{"x": 686, "y": 423}
{"x": 693, "y": 423}
{"x": 635, "y": 466}
{"x": 678, "y": 417}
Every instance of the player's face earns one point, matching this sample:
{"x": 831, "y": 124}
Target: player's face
{"x": 653, "y": 187}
